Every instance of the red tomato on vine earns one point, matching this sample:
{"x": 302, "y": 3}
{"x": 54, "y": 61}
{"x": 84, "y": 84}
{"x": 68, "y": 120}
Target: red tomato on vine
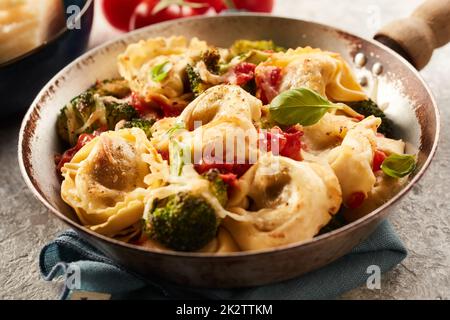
{"x": 128, "y": 15}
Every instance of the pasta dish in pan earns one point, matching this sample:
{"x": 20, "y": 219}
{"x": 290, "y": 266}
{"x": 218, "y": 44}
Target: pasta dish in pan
{"x": 199, "y": 148}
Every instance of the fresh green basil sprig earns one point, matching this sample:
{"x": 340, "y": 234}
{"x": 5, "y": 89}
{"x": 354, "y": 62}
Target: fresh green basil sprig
{"x": 161, "y": 71}
{"x": 399, "y": 165}
{"x": 300, "y": 106}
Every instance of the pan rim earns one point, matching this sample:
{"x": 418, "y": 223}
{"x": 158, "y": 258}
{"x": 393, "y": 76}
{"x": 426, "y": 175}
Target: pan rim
{"x": 233, "y": 255}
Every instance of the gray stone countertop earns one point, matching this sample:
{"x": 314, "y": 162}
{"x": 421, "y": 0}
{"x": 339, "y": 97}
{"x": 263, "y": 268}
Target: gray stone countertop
{"x": 422, "y": 221}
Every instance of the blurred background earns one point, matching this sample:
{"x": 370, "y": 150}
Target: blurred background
{"x": 26, "y": 226}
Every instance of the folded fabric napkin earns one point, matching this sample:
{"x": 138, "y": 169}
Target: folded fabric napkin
{"x": 100, "y": 274}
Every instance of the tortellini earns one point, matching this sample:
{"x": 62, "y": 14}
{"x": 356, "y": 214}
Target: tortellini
{"x": 223, "y": 243}
{"x": 352, "y": 160}
{"x": 222, "y": 101}
{"x": 322, "y": 71}
{"x": 328, "y": 132}
{"x": 104, "y": 182}
{"x": 289, "y": 201}
{"x": 390, "y": 146}
{"x": 137, "y": 62}
{"x": 223, "y": 118}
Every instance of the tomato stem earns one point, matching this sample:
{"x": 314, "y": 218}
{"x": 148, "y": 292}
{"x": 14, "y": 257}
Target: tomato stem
{"x": 230, "y": 4}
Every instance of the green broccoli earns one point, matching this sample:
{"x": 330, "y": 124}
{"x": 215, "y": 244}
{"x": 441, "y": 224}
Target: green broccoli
{"x": 240, "y": 47}
{"x": 183, "y": 222}
{"x": 116, "y": 112}
{"x": 74, "y": 115}
{"x": 145, "y": 125}
{"x": 211, "y": 58}
{"x": 195, "y": 82}
{"x": 84, "y": 105}
{"x": 62, "y": 126}
{"x": 117, "y": 88}
{"x": 368, "y": 108}
{"x": 77, "y": 113}
{"x": 217, "y": 186}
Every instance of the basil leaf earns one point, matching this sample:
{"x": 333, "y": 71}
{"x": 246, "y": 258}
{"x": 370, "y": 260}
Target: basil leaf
{"x": 161, "y": 71}
{"x": 303, "y": 106}
{"x": 399, "y": 165}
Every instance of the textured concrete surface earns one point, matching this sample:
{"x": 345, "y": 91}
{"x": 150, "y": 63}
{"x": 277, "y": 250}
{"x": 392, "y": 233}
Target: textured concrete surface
{"x": 422, "y": 222}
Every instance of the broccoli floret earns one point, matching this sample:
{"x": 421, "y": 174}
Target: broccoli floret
{"x": 211, "y": 58}
{"x": 243, "y": 46}
{"x": 62, "y": 125}
{"x": 145, "y": 125}
{"x": 74, "y": 115}
{"x": 84, "y": 105}
{"x": 195, "y": 82}
{"x": 182, "y": 222}
{"x": 217, "y": 186}
{"x": 117, "y": 88}
{"x": 116, "y": 112}
{"x": 368, "y": 108}
{"x": 78, "y": 112}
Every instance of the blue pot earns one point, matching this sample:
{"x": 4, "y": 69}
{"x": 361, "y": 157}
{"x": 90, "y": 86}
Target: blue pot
{"x": 23, "y": 77}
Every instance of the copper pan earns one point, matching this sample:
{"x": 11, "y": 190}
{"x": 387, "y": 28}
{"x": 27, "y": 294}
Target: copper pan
{"x": 415, "y": 114}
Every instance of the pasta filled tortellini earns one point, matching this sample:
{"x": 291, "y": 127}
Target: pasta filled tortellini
{"x": 322, "y": 71}
{"x": 352, "y": 160}
{"x": 328, "y": 132}
{"x": 284, "y": 201}
{"x": 222, "y": 101}
{"x": 138, "y": 62}
{"x": 221, "y": 117}
{"x": 104, "y": 182}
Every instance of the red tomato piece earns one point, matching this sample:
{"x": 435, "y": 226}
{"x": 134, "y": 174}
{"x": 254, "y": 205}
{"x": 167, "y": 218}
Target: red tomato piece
{"x": 289, "y": 142}
{"x": 157, "y": 107}
{"x": 268, "y": 80}
{"x": 224, "y": 168}
{"x": 242, "y": 73}
{"x": 139, "y": 104}
{"x": 378, "y": 158}
{"x": 293, "y": 146}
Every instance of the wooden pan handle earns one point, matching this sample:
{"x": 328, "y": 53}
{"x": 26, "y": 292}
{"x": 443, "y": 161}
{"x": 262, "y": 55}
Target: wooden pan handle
{"x": 416, "y": 37}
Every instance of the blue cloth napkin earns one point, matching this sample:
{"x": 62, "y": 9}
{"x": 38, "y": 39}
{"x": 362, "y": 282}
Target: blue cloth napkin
{"x": 98, "y": 273}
